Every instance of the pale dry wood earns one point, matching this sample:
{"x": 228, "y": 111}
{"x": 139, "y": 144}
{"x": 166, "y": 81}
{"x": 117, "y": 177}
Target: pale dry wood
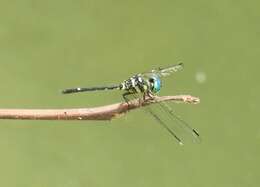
{"x": 98, "y": 113}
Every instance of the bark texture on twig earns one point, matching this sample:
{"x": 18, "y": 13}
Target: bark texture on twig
{"x": 98, "y": 113}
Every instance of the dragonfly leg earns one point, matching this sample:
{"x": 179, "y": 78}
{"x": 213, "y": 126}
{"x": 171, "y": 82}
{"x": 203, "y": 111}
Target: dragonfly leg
{"x": 126, "y": 99}
{"x": 144, "y": 96}
{"x": 125, "y": 96}
{"x": 149, "y": 95}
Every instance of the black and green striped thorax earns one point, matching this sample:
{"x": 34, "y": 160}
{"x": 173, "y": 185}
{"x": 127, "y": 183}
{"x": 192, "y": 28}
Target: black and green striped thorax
{"x": 135, "y": 84}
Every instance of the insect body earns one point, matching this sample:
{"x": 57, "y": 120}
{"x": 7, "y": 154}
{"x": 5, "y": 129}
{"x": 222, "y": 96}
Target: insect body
{"x": 148, "y": 84}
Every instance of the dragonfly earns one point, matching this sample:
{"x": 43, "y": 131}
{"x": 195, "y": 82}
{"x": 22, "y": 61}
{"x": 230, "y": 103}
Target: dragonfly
{"x": 148, "y": 84}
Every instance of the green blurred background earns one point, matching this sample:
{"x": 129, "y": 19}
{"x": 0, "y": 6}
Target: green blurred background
{"x": 46, "y": 46}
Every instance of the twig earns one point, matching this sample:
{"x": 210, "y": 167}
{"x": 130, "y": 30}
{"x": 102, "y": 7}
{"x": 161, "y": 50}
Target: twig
{"x": 98, "y": 113}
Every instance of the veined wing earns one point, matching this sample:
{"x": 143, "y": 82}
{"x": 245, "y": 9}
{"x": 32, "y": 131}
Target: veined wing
{"x": 163, "y": 124}
{"x": 180, "y": 123}
{"x": 158, "y": 117}
{"x": 162, "y": 72}
{"x": 165, "y": 116}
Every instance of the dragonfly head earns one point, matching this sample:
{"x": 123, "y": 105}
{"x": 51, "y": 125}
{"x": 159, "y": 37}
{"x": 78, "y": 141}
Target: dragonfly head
{"x": 155, "y": 83}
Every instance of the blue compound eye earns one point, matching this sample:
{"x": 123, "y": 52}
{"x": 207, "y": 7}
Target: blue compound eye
{"x": 156, "y": 84}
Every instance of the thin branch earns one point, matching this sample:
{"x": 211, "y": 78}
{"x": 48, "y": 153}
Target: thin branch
{"x": 98, "y": 113}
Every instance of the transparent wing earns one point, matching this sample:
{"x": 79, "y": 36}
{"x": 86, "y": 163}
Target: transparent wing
{"x": 162, "y": 72}
{"x": 177, "y": 127}
{"x": 152, "y": 112}
{"x": 182, "y": 125}
{"x": 163, "y": 123}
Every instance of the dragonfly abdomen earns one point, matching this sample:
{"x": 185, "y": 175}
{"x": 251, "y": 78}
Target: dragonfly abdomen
{"x": 98, "y": 88}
